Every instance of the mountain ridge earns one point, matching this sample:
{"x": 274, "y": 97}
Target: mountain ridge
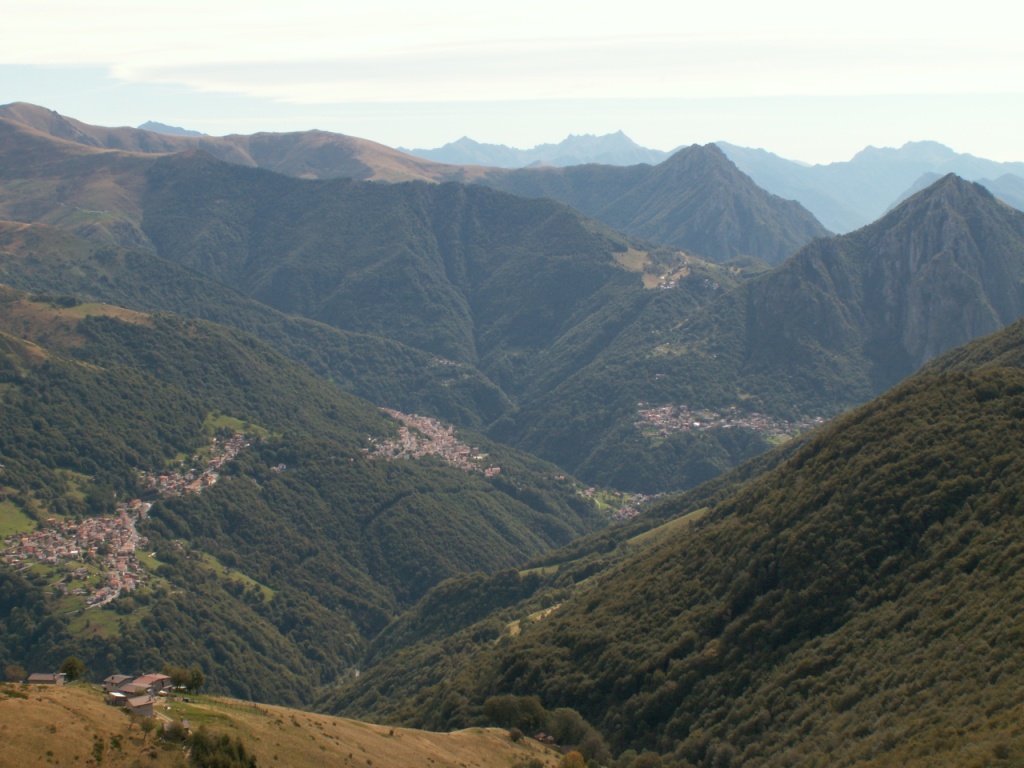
{"x": 696, "y": 200}
{"x": 760, "y": 225}
{"x": 846, "y": 195}
{"x": 609, "y": 149}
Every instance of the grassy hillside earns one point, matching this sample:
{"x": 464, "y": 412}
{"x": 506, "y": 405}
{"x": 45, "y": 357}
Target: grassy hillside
{"x": 64, "y": 725}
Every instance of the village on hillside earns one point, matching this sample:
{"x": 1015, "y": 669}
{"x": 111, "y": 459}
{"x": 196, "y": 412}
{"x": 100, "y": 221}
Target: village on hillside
{"x": 420, "y": 436}
{"x": 109, "y": 543}
{"x": 106, "y": 546}
{"x": 194, "y": 480}
{"x": 665, "y": 420}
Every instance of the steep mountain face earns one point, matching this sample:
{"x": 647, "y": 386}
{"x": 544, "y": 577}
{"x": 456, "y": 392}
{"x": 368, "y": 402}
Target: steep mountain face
{"x": 611, "y": 149}
{"x": 835, "y": 325}
{"x": 1008, "y": 188}
{"x": 273, "y": 570}
{"x": 696, "y": 200}
{"x": 1003, "y": 349}
{"x": 855, "y": 605}
{"x": 944, "y": 268}
{"x": 525, "y": 289}
{"x": 848, "y": 195}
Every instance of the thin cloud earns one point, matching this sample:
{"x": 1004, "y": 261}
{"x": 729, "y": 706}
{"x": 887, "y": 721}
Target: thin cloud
{"x": 632, "y": 68}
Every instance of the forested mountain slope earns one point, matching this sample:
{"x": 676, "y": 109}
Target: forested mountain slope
{"x": 835, "y": 325}
{"x": 943, "y": 268}
{"x": 856, "y": 605}
{"x": 327, "y": 537}
{"x": 527, "y": 290}
{"x": 42, "y": 259}
{"x": 463, "y": 272}
{"x": 587, "y": 336}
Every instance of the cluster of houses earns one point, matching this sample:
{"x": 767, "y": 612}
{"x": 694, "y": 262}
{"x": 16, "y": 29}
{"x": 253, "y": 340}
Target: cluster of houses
{"x": 195, "y": 480}
{"x": 632, "y": 506}
{"x": 109, "y": 541}
{"x": 138, "y": 695}
{"x": 423, "y": 436}
{"x": 59, "y": 540}
{"x": 665, "y": 420}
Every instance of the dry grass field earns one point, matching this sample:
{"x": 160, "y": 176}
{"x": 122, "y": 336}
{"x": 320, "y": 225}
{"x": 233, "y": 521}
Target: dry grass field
{"x": 64, "y": 726}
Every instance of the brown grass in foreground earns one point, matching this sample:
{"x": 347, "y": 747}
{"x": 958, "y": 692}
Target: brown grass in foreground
{"x": 63, "y": 726}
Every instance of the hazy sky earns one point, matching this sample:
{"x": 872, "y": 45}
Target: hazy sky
{"x": 803, "y": 79}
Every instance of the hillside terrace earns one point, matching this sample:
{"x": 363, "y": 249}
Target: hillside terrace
{"x": 420, "y": 436}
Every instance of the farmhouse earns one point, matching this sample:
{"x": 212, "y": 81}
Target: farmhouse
{"x": 47, "y": 678}
{"x": 155, "y": 683}
{"x": 114, "y": 682}
{"x": 141, "y": 705}
{"x": 123, "y": 690}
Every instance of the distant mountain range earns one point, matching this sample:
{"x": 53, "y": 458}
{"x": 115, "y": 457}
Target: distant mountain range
{"x": 696, "y": 200}
{"x": 847, "y": 195}
{"x": 305, "y": 154}
{"x": 610, "y": 149}
{"x": 842, "y": 195}
{"x": 171, "y": 130}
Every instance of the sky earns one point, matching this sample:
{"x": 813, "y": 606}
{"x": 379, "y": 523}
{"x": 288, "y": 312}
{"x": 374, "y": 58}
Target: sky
{"x": 805, "y": 80}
